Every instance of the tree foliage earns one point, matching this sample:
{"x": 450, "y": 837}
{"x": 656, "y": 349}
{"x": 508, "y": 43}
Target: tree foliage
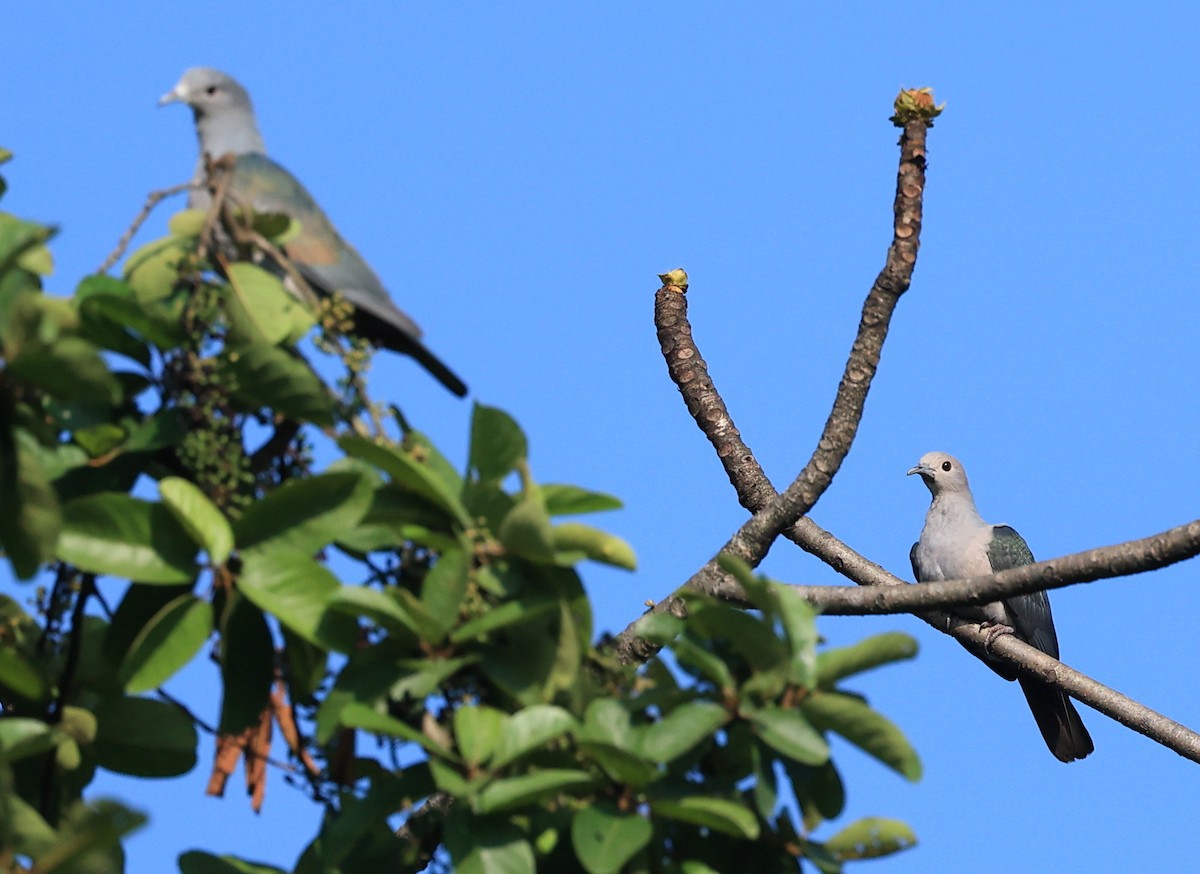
{"x": 184, "y": 481}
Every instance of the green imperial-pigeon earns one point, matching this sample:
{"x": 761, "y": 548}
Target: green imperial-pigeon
{"x": 955, "y": 544}
{"x": 225, "y": 124}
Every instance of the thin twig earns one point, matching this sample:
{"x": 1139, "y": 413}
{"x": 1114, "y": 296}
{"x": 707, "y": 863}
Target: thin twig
{"x": 66, "y": 681}
{"x": 152, "y": 200}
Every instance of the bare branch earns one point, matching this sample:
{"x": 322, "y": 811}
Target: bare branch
{"x": 773, "y": 513}
{"x": 152, "y": 200}
{"x": 1123, "y": 559}
{"x": 1108, "y": 701}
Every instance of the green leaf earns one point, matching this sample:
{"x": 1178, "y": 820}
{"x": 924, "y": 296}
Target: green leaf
{"x": 304, "y": 515}
{"x": 867, "y": 729}
{"x": 766, "y": 788}
{"x": 414, "y": 679}
{"x": 144, "y": 738}
{"x": 101, "y": 439}
{"x": 497, "y": 443}
{"x": 99, "y": 325}
{"x": 166, "y": 644}
{"x": 278, "y": 227}
{"x": 790, "y": 734}
{"x": 477, "y": 732}
{"x": 607, "y": 736}
{"x": 443, "y": 589}
{"x": 138, "y": 606}
{"x": 199, "y": 862}
{"x": 818, "y": 790}
{"x": 621, "y": 765}
{"x": 362, "y": 817}
{"x": 680, "y": 730}
{"x": 594, "y": 544}
{"x": 357, "y": 715}
{"x": 701, "y": 663}
{"x": 55, "y": 461}
{"x": 398, "y": 517}
{"x": 159, "y": 431}
{"x": 607, "y": 720}
{"x": 421, "y": 477}
{"x": 565, "y": 500}
{"x": 570, "y": 646}
{"x": 871, "y": 838}
{"x": 605, "y": 839}
{"x": 273, "y": 378}
{"x": 261, "y": 310}
{"x": 119, "y": 535}
{"x": 529, "y": 660}
{"x": 89, "y": 839}
{"x": 154, "y": 321}
{"x": 31, "y": 518}
{"x": 18, "y": 235}
{"x": 37, "y": 259}
{"x": 487, "y": 845}
{"x": 153, "y": 270}
{"x": 384, "y": 607}
{"x": 749, "y": 635}
{"x": 22, "y": 736}
{"x": 247, "y": 665}
{"x": 202, "y": 518}
{"x": 504, "y": 616}
{"x": 187, "y": 222}
{"x": 531, "y": 728}
{"x": 799, "y": 625}
{"x": 527, "y": 789}
{"x": 298, "y": 591}
{"x": 526, "y": 530}
{"x": 660, "y": 628}
{"x": 450, "y": 780}
{"x": 23, "y": 830}
{"x": 305, "y": 666}
{"x": 880, "y": 649}
{"x": 718, "y": 814}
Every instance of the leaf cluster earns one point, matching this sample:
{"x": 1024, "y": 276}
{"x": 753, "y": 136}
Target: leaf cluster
{"x": 384, "y": 593}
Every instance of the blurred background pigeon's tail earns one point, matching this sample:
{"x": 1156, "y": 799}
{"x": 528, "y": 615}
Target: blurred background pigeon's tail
{"x": 383, "y": 333}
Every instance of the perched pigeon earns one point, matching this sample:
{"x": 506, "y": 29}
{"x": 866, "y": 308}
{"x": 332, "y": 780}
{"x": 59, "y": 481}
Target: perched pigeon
{"x": 225, "y": 124}
{"x": 955, "y": 544}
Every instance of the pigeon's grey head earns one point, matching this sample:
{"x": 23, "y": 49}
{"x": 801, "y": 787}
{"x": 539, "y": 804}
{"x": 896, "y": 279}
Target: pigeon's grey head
{"x": 222, "y": 109}
{"x": 208, "y": 92}
{"x": 942, "y": 473}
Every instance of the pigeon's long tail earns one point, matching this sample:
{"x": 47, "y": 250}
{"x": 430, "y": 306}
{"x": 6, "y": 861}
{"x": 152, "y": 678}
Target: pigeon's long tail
{"x": 1058, "y": 720}
{"x": 385, "y": 334}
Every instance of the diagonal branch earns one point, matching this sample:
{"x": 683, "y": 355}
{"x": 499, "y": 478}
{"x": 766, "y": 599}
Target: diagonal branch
{"x": 774, "y": 513}
{"x": 152, "y": 200}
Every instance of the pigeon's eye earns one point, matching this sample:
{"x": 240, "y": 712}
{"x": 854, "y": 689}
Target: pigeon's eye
{"x": 210, "y": 90}
{"x": 946, "y": 465}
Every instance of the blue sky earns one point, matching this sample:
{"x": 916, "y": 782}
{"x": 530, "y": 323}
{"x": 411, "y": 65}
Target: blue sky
{"x": 518, "y": 173}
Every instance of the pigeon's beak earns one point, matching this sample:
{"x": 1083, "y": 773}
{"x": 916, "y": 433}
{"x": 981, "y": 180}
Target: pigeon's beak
{"x": 175, "y": 95}
{"x": 922, "y": 469}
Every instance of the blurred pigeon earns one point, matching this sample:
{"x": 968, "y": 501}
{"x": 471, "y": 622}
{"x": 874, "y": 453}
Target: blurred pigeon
{"x": 224, "y": 124}
{"x": 955, "y": 544}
